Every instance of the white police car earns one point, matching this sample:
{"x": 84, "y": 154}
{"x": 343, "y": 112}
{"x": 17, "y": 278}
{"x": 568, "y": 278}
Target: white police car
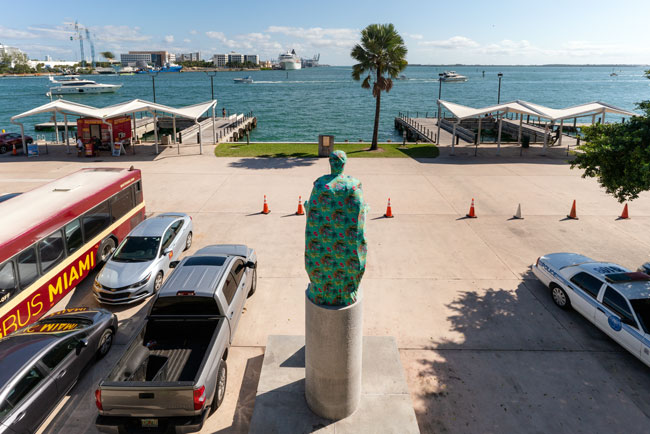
{"x": 614, "y": 298}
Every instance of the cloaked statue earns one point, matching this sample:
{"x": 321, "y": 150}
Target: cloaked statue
{"x": 335, "y": 238}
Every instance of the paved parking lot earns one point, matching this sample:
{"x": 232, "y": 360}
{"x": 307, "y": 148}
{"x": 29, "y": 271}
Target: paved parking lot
{"x": 483, "y": 347}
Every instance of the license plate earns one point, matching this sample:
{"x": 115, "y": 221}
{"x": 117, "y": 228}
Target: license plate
{"x": 149, "y": 423}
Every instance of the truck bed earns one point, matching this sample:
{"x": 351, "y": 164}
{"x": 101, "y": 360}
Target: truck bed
{"x": 166, "y": 351}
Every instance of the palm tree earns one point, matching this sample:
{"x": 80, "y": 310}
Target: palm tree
{"x": 381, "y": 52}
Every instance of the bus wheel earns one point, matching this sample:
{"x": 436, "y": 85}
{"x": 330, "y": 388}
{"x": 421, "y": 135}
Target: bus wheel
{"x": 105, "y": 249}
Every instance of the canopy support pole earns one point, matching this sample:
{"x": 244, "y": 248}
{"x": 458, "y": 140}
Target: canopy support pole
{"x": 604, "y": 111}
{"x": 110, "y": 131}
{"x": 56, "y": 130}
{"x": 559, "y": 140}
{"x": 155, "y": 130}
{"x": 453, "y": 138}
{"x": 22, "y": 135}
{"x": 67, "y": 140}
{"x": 214, "y": 129}
{"x": 478, "y": 141}
{"x": 593, "y": 119}
{"x": 174, "y": 127}
{"x": 521, "y": 120}
{"x": 545, "y": 138}
{"x": 438, "y": 136}
{"x": 200, "y": 140}
{"x": 499, "y": 138}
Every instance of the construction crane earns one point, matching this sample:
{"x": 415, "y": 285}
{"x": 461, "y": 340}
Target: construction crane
{"x": 81, "y": 43}
{"x": 92, "y": 46}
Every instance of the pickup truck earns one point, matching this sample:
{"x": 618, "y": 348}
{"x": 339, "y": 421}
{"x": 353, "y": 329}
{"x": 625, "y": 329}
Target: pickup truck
{"x": 173, "y": 374}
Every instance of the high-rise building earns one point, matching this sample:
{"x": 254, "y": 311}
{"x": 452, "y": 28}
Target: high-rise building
{"x": 188, "y": 57}
{"x": 253, "y": 58}
{"x": 234, "y": 58}
{"x": 220, "y": 60}
{"x": 153, "y": 58}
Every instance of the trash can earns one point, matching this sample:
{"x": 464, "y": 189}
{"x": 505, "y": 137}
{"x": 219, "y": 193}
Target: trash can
{"x": 325, "y": 145}
{"x": 89, "y": 149}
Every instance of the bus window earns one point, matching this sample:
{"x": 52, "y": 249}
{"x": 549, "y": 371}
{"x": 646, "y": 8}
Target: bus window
{"x": 121, "y": 204}
{"x": 73, "y": 238}
{"x": 96, "y": 220}
{"x": 27, "y": 266}
{"x": 51, "y": 251}
{"x": 137, "y": 189}
{"x": 7, "y": 281}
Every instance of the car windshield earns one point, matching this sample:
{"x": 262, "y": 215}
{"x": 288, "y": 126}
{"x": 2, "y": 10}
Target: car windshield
{"x": 137, "y": 249}
{"x": 642, "y": 308}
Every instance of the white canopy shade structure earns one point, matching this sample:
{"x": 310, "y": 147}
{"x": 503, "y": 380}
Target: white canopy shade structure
{"x": 461, "y": 112}
{"x": 66, "y": 108}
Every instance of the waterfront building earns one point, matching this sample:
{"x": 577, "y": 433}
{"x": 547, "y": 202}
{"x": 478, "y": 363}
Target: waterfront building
{"x": 153, "y": 58}
{"x": 252, "y": 58}
{"x": 12, "y": 53}
{"x": 188, "y": 57}
{"x": 266, "y": 64}
{"x": 234, "y": 58}
{"x": 220, "y": 60}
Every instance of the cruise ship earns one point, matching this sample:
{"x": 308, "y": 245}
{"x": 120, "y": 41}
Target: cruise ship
{"x": 289, "y": 60}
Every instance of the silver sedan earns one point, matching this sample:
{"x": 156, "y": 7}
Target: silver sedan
{"x": 138, "y": 266}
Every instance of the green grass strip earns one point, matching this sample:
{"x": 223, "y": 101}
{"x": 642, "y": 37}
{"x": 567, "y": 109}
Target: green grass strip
{"x": 309, "y": 150}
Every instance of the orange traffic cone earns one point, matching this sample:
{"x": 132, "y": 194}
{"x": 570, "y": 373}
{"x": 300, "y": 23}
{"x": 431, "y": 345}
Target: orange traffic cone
{"x": 625, "y": 214}
{"x": 572, "y": 214}
{"x": 301, "y": 210}
{"x": 389, "y": 211}
{"x": 266, "y": 209}
{"x": 13, "y": 151}
{"x": 472, "y": 213}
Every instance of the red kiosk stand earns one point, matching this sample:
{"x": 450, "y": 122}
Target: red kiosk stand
{"x": 92, "y": 130}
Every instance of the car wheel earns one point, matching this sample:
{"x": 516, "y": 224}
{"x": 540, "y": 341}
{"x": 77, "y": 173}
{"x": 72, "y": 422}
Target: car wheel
{"x": 105, "y": 343}
{"x": 105, "y": 249}
{"x": 220, "y": 388}
{"x": 560, "y": 297}
{"x": 158, "y": 282}
{"x": 254, "y": 283}
{"x": 188, "y": 241}
{"x": 3, "y": 149}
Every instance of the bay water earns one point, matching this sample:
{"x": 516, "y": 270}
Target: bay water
{"x": 300, "y": 105}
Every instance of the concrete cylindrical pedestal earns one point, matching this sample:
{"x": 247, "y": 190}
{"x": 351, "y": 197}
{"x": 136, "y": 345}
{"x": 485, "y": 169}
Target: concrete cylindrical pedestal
{"x": 333, "y": 354}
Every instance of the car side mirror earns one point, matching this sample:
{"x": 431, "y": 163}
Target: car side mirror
{"x": 83, "y": 343}
{"x": 173, "y": 264}
{"x": 251, "y": 264}
{"x": 167, "y": 252}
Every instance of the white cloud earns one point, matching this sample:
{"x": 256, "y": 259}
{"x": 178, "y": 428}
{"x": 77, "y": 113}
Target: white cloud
{"x": 193, "y": 32}
{"x": 169, "y": 39}
{"x": 119, "y": 34}
{"x": 414, "y": 36}
{"x": 318, "y": 37}
{"x": 187, "y": 41}
{"x": 8, "y": 33}
{"x": 452, "y": 43}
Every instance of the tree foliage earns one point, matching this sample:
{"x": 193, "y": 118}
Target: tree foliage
{"x": 618, "y": 155}
{"x": 381, "y": 54}
{"x": 108, "y": 55}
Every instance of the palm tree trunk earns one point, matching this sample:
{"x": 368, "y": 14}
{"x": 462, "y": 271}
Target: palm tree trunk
{"x": 373, "y": 146}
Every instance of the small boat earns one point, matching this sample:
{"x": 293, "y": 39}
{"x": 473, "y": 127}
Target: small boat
{"x": 169, "y": 67}
{"x": 401, "y": 77}
{"x": 613, "y": 74}
{"x": 452, "y": 76}
{"x": 75, "y": 85}
{"x": 248, "y": 79}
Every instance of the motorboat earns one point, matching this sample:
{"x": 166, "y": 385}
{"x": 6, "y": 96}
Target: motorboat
{"x": 452, "y": 76}
{"x": 248, "y": 79}
{"x": 289, "y": 60}
{"x": 168, "y": 67}
{"x": 401, "y": 77}
{"x": 75, "y": 85}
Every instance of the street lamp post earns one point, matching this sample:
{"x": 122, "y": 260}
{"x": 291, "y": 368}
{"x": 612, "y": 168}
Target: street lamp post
{"x": 153, "y": 83}
{"x": 214, "y": 73}
{"x": 499, "y": 95}
{"x": 439, "y": 96}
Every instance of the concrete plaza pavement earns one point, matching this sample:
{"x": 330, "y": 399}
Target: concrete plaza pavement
{"x": 482, "y": 345}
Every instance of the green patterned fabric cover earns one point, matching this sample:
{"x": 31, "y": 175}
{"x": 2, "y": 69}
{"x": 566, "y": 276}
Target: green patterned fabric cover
{"x": 335, "y": 238}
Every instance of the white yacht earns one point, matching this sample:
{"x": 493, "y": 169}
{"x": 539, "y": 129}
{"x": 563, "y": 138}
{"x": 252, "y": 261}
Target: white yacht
{"x": 76, "y": 85}
{"x": 289, "y": 60}
{"x": 452, "y": 76}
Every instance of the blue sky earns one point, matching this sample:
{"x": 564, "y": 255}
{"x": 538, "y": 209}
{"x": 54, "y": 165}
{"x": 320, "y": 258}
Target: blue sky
{"x": 486, "y": 32}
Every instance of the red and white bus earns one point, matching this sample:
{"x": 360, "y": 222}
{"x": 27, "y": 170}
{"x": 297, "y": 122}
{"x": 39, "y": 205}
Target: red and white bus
{"x": 51, "y": 237}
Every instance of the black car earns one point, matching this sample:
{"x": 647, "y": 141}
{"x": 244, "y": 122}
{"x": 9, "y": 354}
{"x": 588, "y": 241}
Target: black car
{"x": 40, "y": 363}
